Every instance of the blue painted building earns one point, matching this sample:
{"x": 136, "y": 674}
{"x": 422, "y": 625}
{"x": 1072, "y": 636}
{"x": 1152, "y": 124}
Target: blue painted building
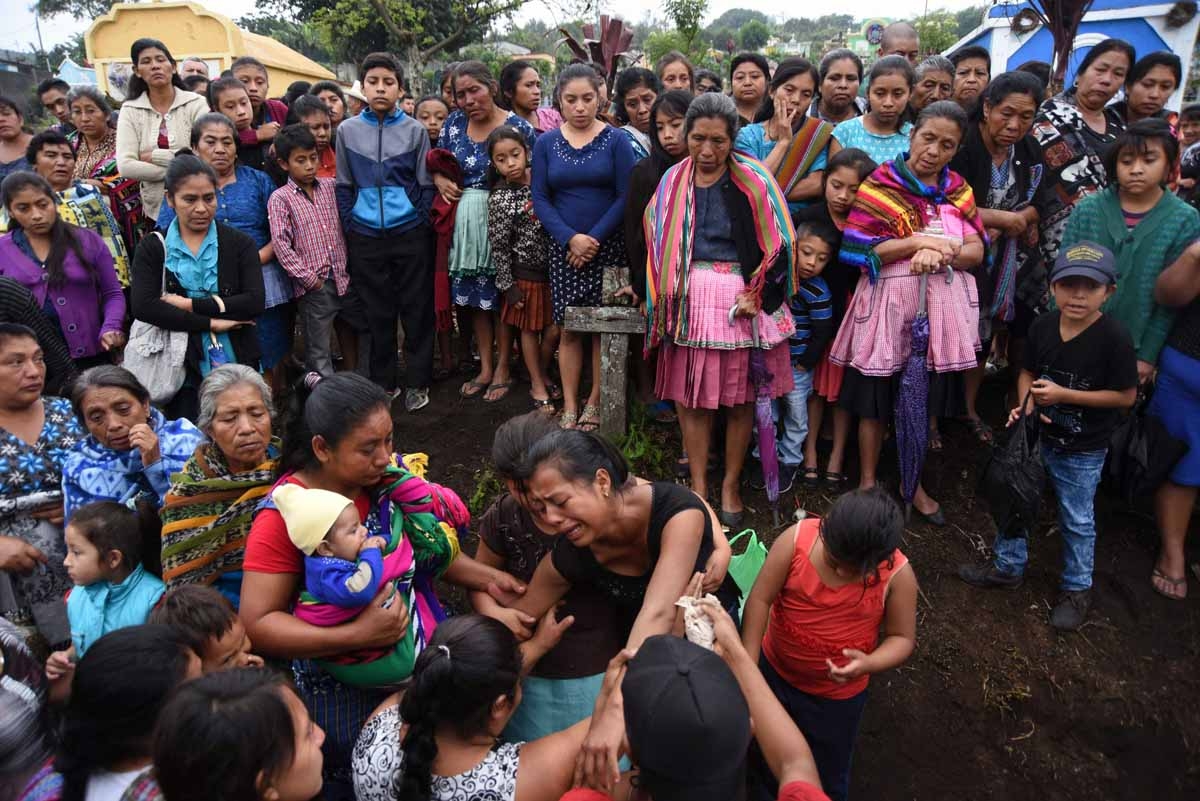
{"x": 1012, "y": 38}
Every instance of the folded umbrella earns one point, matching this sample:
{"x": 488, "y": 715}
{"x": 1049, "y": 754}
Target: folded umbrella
{"x": 912, "y": 403}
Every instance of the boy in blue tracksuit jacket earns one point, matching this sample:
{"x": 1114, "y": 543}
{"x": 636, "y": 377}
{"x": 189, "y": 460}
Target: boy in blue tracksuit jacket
{"x": 383, "y": 194}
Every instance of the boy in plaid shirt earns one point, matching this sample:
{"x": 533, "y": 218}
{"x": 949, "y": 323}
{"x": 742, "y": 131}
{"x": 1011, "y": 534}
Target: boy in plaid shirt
{"x": 307, "y": 234}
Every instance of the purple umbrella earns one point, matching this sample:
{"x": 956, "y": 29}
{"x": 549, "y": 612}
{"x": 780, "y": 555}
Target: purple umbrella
{"x": 764, "y": 419}
{"x": 912, "y": 404}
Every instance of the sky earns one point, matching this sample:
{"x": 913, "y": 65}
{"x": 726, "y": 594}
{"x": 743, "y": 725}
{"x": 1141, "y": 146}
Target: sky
{"x": 20, "y": 32}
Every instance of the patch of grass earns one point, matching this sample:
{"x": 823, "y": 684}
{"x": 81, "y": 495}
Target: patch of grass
{"x": 487, "y": 487}
{"x": 646, "y": 446}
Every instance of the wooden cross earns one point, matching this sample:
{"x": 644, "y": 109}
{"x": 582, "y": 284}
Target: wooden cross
{"x": 614, "y": 324}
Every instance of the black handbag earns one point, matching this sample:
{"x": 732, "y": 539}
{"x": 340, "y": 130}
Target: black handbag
{"x": 1141, "y": 453}
{"x": 1013, "y": 477}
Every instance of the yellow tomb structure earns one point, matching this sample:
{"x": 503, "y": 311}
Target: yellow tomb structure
{"x": 188, "y": 29}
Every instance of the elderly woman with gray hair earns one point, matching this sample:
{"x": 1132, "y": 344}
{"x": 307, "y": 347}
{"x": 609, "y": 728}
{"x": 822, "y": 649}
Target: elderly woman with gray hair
{"x": 720, "y": 256}
{"x": 208, "y": 510}
{"x": 95, "y": 143}
{"x": 935, "y": 81}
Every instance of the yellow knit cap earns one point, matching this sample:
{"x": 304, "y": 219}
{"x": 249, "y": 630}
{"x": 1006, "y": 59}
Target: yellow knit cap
{"x": 308, "y": 513}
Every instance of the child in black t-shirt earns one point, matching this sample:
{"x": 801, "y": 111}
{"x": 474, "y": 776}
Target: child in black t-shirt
{"x": 1080, "y": 369}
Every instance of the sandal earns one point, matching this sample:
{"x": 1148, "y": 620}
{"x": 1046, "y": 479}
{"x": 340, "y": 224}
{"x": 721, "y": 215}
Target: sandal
{"x": 590, "y": 419}
{"x": 568, "y": 419}
{"x": 543, "y": 405}
{"x": 811, "y": 477}
{"x": 472, "y": 389}
{"x": 441, "y": 374}
{"x": 683, "y": 468}
{"x": 503, "y": 388}
{"x": 935, "y": 441}
{"x": 555, "y": 390}
{"x": 981, "y": 430}
{"x": 835, "y": 480}
{"x": 1175, "y": 589}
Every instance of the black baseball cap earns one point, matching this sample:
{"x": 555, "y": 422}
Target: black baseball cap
{"x": 1087, "y": 260}
{"x": 687, "y": 722}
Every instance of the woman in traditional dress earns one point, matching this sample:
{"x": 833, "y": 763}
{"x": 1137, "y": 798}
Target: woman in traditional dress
{"x": 912, "y": 218}
{"x": 720, "y": 256}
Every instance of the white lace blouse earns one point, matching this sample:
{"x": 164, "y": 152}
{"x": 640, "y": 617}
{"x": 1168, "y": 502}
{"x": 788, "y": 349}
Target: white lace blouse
{"x": 378, "y": 764}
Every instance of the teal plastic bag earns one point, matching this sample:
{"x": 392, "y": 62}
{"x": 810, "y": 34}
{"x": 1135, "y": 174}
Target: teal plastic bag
{"x": 745, "y": 566}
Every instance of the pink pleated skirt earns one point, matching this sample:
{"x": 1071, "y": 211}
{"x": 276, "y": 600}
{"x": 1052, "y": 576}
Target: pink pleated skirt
{"x": 711, "y": 367}
{"x": 876, "y": 334}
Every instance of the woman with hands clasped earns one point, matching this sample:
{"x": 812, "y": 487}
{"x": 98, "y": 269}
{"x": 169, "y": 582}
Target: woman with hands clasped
{"x": 912, "y": 216}
{"x": 580, "y": 179}
{"x": 202, "y": 277}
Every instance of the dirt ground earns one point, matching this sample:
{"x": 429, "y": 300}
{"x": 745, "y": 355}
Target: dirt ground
{"x": 994, "y": 704}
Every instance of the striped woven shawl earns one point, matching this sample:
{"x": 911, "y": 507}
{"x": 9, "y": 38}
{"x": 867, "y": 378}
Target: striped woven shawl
{"x": 892, "y": 204}
{"x": 669, "y": 224}
{"x": 808, "y": 142}
{"x": 207, "y": 514}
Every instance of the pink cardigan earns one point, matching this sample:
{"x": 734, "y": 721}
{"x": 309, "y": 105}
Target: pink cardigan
{"x": 90, "y": 301}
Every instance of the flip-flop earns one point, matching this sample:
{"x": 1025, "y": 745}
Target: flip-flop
{"x": 554, "y": 390}
{"x": 506, "y": 386}
{"x": 477, "y": 386}
{"x": 1176, "y": 583}
{"x": 442, "y": 373}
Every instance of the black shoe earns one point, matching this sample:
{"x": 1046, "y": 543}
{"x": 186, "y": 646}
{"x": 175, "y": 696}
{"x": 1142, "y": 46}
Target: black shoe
{"x": 787, "y": 477}
{"x": 1070, "y": 610}
{"x": 758, "y": 482}
{"x": 934, "y": 518}
{"x": 987, "y": 576}
{"x": 731, "y": 520}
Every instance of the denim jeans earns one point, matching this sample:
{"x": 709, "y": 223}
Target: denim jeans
{"x": 1075, "y": 477}
{"x": 793, "y": 408}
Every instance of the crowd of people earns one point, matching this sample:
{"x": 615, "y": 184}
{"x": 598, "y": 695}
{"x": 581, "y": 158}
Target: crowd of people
{"x": 205, "y": 597}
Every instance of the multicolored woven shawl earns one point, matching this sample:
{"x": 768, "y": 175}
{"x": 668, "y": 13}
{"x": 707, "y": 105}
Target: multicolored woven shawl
{"x": 669, "y": 224}
{"x": 893, "y": 204}
{"x": 808, "y": 142}
{"x": 207, "y": 514}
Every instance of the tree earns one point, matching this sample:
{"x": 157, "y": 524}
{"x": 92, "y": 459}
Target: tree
{"x": 659, "y": 43}
{"x": 937, "y": 30}
{"x": 755, "y": 35}
{"x": 968, "y": 19}
{"x": 416, "y": 30}
{"x": 72, "y": 48}
{"x": 79, "y": 9}
{"x": 686, "y": 14}
{"x": 737, "y": 17}
{"x": 303, "y": 38}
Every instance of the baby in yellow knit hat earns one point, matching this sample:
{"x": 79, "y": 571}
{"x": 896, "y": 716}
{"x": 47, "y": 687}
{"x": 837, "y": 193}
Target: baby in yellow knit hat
{"x": 342, "y": 565}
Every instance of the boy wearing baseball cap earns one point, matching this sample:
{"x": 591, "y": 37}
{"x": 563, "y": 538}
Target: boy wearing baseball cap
{"x": 1080, "y": 370}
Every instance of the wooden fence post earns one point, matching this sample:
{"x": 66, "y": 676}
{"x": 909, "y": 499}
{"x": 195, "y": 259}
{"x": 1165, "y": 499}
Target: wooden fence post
{"x": 614, "y": 324}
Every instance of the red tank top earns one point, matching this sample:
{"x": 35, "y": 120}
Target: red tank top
{"x": 811, "y": 622}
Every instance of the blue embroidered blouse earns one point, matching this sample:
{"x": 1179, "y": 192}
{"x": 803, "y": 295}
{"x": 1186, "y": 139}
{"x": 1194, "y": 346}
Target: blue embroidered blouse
{"x": 473, "y": 156}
